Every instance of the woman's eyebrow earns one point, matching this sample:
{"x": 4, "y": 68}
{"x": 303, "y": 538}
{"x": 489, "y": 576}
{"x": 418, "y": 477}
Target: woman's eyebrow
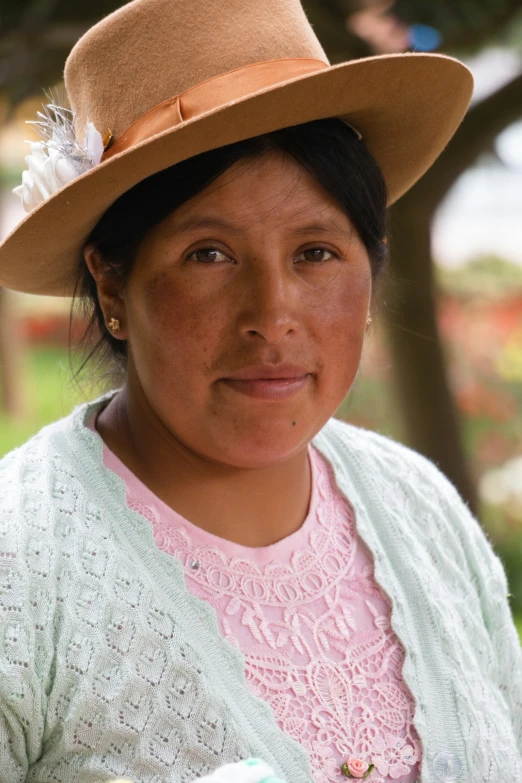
{"x": 192, "y": 223}
{"x": 195, "y": 223}
{"x": 332, "y": 229}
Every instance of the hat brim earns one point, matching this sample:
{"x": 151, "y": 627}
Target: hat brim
{"x": 406, "y": 107}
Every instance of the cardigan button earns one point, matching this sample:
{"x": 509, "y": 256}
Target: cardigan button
{"x": 447, "y": 767}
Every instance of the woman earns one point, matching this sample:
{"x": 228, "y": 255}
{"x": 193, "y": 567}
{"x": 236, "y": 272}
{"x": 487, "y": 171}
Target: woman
{"x": 203, "y": 565}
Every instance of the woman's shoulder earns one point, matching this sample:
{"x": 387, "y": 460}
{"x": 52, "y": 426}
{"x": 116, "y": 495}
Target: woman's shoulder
{"x": 41, "y": 474}
{"x": 414, "y": 488}
{"x": 387, "y": 458}
{"x": 55, "y": 529}
{"x": 40, "y": 448}
{"x": 54, "y": 441}
{"x": 26, "y": 463}
{"x": 396, "y": 472}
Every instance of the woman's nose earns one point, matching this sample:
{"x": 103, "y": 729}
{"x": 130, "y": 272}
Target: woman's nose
{"x": 269, "y": 307}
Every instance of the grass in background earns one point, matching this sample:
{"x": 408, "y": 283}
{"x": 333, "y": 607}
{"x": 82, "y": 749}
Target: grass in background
{"x": 48, "y": 394}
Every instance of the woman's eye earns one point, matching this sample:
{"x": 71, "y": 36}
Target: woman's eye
{"x": 315, "y": 254}
{"x": 208, "y": 255}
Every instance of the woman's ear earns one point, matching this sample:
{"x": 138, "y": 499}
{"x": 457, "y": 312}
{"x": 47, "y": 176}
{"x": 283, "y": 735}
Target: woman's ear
{"x": 109, "y": 295}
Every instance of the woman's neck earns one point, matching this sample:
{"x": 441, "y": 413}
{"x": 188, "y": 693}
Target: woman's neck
{"x": 251, "y": 507}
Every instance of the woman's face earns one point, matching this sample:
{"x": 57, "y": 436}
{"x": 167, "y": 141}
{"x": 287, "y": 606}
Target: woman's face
{"x": 245, "y": 314}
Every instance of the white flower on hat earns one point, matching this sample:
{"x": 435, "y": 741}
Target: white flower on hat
{"x": 46, "y": 173}
{"x": 59, "y": 158}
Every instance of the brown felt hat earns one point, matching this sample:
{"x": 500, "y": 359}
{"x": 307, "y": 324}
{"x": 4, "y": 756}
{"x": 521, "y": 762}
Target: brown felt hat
{"x": 173, "y": 78}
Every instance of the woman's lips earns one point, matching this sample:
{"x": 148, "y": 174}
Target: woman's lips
{"x": 268, "y": 388}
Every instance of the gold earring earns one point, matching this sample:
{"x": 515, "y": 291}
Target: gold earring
{"x": 114, "y": 325}
{"x": 368, "y": 320}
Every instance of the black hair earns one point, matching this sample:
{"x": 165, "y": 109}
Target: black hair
{"x": 327, "y": 149}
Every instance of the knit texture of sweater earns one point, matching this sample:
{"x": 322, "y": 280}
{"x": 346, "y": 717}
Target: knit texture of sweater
{"x": 111, "y": 668}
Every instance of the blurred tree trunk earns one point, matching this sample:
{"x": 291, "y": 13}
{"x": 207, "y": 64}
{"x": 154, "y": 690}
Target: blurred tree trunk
{"x": 11, "y": 360}
{"x": 425, "y": 396}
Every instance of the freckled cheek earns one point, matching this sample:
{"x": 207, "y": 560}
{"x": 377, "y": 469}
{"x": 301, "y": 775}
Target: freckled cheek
{"x": 176, "y": 328}
{"x": 340, "y": 326}
{"x": 344, "y": 309}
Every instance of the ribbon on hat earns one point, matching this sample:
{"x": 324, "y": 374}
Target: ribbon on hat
{"x": 218, "y": 91}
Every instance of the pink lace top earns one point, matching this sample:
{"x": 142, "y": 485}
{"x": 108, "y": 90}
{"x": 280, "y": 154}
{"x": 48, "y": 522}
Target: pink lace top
{"x": 312, "y": 624}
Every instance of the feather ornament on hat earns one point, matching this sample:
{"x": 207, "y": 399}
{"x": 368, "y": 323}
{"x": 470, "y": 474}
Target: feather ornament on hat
{"x": 59, "y": 157}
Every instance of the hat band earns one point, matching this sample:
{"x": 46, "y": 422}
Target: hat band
{"x": 212, "y": 94}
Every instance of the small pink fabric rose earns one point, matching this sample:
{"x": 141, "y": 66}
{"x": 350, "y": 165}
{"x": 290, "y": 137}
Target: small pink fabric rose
{"x": 356, "y": 767}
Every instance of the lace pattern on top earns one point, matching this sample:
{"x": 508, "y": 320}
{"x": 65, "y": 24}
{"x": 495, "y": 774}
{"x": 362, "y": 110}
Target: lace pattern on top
{"x": 314, "y": 629}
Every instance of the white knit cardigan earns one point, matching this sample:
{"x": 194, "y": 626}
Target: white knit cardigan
{"x": 110, "y": 668}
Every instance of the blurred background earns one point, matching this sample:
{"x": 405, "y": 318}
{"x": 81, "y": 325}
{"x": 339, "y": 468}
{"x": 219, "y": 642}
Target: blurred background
{"x": 442, "y": 370}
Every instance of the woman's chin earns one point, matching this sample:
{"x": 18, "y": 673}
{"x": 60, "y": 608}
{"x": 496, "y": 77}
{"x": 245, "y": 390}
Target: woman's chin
{"x": 262, "y": 448}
